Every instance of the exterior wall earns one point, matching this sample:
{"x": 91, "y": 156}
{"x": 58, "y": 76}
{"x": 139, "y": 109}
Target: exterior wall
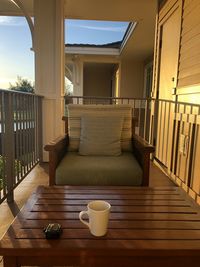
{"x": 97, "y": 80}
{"x": 132, "y": 78}
{"x": 187, "y": 89}
{"x": 131, "y": 74}
{"x": 78, "y": 62}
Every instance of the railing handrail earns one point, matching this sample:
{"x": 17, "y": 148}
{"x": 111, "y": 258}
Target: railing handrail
{"x": 132, "y": 98}
{"x": 107, "y": 97}
{"x": 19, "y": 92}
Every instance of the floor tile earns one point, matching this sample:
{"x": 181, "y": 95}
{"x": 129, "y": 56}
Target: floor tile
{"x": 38, "y": 176}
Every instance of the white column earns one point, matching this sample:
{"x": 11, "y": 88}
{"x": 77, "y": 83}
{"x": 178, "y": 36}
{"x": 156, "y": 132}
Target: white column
{"x": 77, "y": 76}
{"x": 49, "y": 65}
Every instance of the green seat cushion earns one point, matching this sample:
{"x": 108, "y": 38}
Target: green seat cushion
{"x": 75, "y": 169}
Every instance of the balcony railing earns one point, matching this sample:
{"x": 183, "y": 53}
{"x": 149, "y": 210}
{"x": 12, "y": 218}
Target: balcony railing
{"x": 172, "y": 127}
{"x": 20, "y": 138}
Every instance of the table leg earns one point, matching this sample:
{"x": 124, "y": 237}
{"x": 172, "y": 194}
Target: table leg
{"x": 9, "y": 261}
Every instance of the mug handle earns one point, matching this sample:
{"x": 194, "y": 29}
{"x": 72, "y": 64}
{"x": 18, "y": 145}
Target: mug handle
{"x": 83, "y": 221}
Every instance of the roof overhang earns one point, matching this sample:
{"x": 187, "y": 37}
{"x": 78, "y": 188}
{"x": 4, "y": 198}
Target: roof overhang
{"x": 101, "y": 50}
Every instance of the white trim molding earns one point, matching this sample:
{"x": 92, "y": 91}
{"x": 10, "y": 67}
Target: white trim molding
{"x": 127, "y": 35}
{"x": 83, "y": 50}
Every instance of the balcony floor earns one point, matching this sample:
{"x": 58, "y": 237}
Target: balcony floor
{"x": 39, "y": 176}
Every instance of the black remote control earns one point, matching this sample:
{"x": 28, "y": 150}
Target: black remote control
{"x": 53, "y": 231}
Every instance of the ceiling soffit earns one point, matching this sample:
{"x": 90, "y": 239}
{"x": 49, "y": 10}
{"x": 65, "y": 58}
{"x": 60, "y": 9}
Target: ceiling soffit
{"x": 139, "y": 45}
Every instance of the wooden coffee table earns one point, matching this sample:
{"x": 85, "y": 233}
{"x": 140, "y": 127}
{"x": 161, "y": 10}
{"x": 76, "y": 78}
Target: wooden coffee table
{"x": 148, "y": 227}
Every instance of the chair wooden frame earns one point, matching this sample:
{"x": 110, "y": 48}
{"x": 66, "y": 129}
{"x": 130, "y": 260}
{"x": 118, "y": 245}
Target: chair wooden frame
{"x": 58, "y": 148}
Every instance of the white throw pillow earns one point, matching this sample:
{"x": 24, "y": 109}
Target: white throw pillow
{"x": 76, "y": 111}
{"x": 100, "y": 135}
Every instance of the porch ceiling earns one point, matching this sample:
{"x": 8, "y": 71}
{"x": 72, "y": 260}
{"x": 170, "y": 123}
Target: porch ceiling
{"x": 139, "y": 45}
{"x": 7, "y": 8}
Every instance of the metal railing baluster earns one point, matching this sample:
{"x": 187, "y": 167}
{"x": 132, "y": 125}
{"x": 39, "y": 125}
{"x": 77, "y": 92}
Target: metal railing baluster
{"x": 20, "y": 147}
{"x": 9, "y": 146}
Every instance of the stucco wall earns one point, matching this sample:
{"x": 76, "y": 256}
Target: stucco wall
{"x": 132, "y": 78}
{"x": 97, "y": 80}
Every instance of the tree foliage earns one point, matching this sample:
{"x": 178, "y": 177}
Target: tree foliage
{"x": 22, "y": 85}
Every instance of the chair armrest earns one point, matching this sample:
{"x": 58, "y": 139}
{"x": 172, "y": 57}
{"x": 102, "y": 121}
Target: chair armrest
{"x": 142, "y": 151}
{"x": 57, "y": 150}
{"x": 65, "y": 119}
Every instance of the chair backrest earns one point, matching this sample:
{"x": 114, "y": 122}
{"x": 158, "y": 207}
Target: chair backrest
{"x": 75, "y": 112}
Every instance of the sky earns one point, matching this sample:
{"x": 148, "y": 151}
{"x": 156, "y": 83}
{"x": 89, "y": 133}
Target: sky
{"x": 94, "y": 32}
{"x": 16, "y": 57}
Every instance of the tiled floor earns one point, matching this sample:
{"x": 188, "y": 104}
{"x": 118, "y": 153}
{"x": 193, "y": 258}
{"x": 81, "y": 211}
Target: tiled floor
{"x": 39, "y": 176}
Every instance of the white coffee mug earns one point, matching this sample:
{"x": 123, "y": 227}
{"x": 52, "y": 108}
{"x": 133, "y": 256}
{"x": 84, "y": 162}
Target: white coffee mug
{"x": 98, "y": 213}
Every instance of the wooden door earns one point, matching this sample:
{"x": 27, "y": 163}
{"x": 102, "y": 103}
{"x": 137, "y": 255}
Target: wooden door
{"x": 169, "y": 40}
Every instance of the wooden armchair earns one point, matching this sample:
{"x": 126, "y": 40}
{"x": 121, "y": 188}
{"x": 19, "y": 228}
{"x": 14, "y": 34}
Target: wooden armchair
{"x": 62, "y": 158}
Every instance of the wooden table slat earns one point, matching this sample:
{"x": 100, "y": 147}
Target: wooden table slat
{"x": 122, "y": 208}
{"x": 140, "y": 224}
{"x": 116, "y": 202}
{"x": 116, "y": 216}
{"x": 113, "y": 234}
{"x": 114, "y": 196}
